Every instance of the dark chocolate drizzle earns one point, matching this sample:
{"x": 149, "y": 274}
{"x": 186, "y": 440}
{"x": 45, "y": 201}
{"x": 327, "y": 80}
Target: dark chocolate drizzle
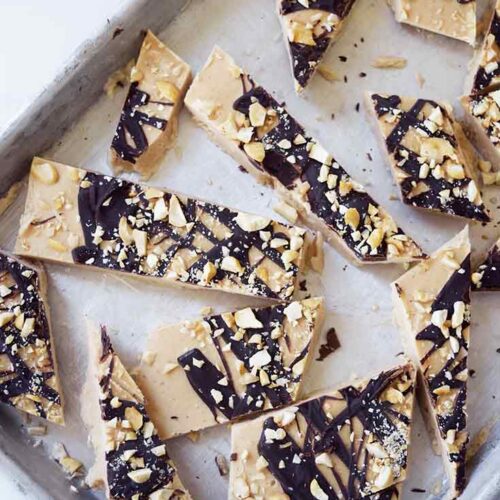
{"x": 484, "y": 80}
{"x": 205, "y": 377}
{"x": 490, "y": 271}
{"x": 323, "y": 434}
{"x": 305, "y": 58}
{"x": 130, "y": 140}
{"x": 407, "y": 161}
{"x": 456, "y": 289}
{"x": 277, "y": 164}
{"x": 108, "y": 199}
{"x": 22, "y": 379}
{"x": 121, "y": 486}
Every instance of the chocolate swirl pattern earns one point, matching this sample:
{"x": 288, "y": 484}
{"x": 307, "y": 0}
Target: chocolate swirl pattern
{"x": 487, "y": 275}
{"x": 118, "y": 225}
{"x": 137, "y": 462}
{"x": 230, "y": 365}
{"x": 130, "y": 141}
{"x": 309, "y": 32}
{"x": 299, "y": 163}
{"x": 349, "y": 443}
{"x": 437, "y": 323}
{"x": 261, "y": 135}
{"x": 28, "y": 374}
{"x": 148, "y": 121}
{"x": 426, "y": 156}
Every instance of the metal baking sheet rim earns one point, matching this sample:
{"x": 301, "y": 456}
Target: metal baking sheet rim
{"x": 35, "y": 130}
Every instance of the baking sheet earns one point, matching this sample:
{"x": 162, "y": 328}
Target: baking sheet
{"x": 357, "y": 299}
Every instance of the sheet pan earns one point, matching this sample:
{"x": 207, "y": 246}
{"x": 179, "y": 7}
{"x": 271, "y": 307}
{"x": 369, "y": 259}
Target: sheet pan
{"x": 358, "y": 299}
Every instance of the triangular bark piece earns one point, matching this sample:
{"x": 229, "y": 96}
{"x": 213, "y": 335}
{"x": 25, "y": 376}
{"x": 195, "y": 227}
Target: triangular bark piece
{"x": 487, "y": 275}
{"x": 310, "y": 27}
{"x": 259, "y": 133}
{"x": 29, "y": 380}
{"x": 227, "y": 366}
{"x": 130, "y": 457}
{"x": 148, "y": 121}
{"x": 429, "y": 155}
{"x": 482, "y": 102}
{"x": 347, "y": 443}
{"x": 432, "y": 310}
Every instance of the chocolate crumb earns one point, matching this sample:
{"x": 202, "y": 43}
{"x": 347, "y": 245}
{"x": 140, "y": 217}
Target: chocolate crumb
{"x": 472, "y": 372}
{"x": 234, "y": 457}
{"x": 401, "y": 353}
{"x": 303, "y": 286}
{"x": 117, "y": 32}
{"x": 343, "y": 58}
{"x": 498, "y": 350}
{"x": 331, "y": 345}
{"x": 332, "y": 116}
{"x": 221, "y": 462}
{"x": 418, "y": 490}
{"x": 345, "y": 78}
{"x": 369, "y": 156}
{"x": 362, "y": 74}
{"x": 357, "y": 107}
{"x": 241, "y": 168}
{"x": 356, "y": 45}
{"x": 362, "y": 40}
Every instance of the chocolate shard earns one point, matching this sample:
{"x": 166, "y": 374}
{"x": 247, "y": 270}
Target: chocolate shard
{"x": 135, "y": 461}
{"x": 226, "y": 366}
{"x": 259, "y": 133}
{"x": 81, "y": 217}
{"x": 346, "y": 443}
{"x": 451, "y": 18}
{"x": 487, "y": 275}
{"x": 28, "y": 370}
{"x": 310, "y": 28}
{"x": 148, "y": 121}
{"x": 432, "y": 310}
{"x": 429, "y": 155}
{"x": 481, "y": 101}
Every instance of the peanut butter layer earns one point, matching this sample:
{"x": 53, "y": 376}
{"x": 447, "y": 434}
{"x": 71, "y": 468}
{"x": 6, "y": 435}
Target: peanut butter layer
{"x": 310, "y": 28}
{"x": 246, "y": 122}
{"x": 28, "y": 378}
{"x": 205, "y": 372}
{"x": 482, "y": 102}
{"x": 482, "y": 118}
{"x": 348, "y": 443}
{"x": 80, "y": 217}
{"x": 452, "y": 18}
{"x": 485, "y": 71}
{"x": 132, "y": 462}
{"x": 432, "y": 310}
{"x": 429, "y": 157}
{"x": 487, "y": 275}
{"x": 148, "y": 121}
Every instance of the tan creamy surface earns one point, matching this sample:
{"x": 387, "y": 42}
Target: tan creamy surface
{"x": 50, "y": 229}
{"x": 157, "y": 66}
{"x": 171, "y": 400}
{"x": 210, "y": 99}
{"x": 428, "y": 278}
{"x": 250, "y": 478}
{"x": 447, "y": 17}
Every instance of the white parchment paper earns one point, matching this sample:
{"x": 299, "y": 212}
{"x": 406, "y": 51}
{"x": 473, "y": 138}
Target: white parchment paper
{"x": 358, "y": 299}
